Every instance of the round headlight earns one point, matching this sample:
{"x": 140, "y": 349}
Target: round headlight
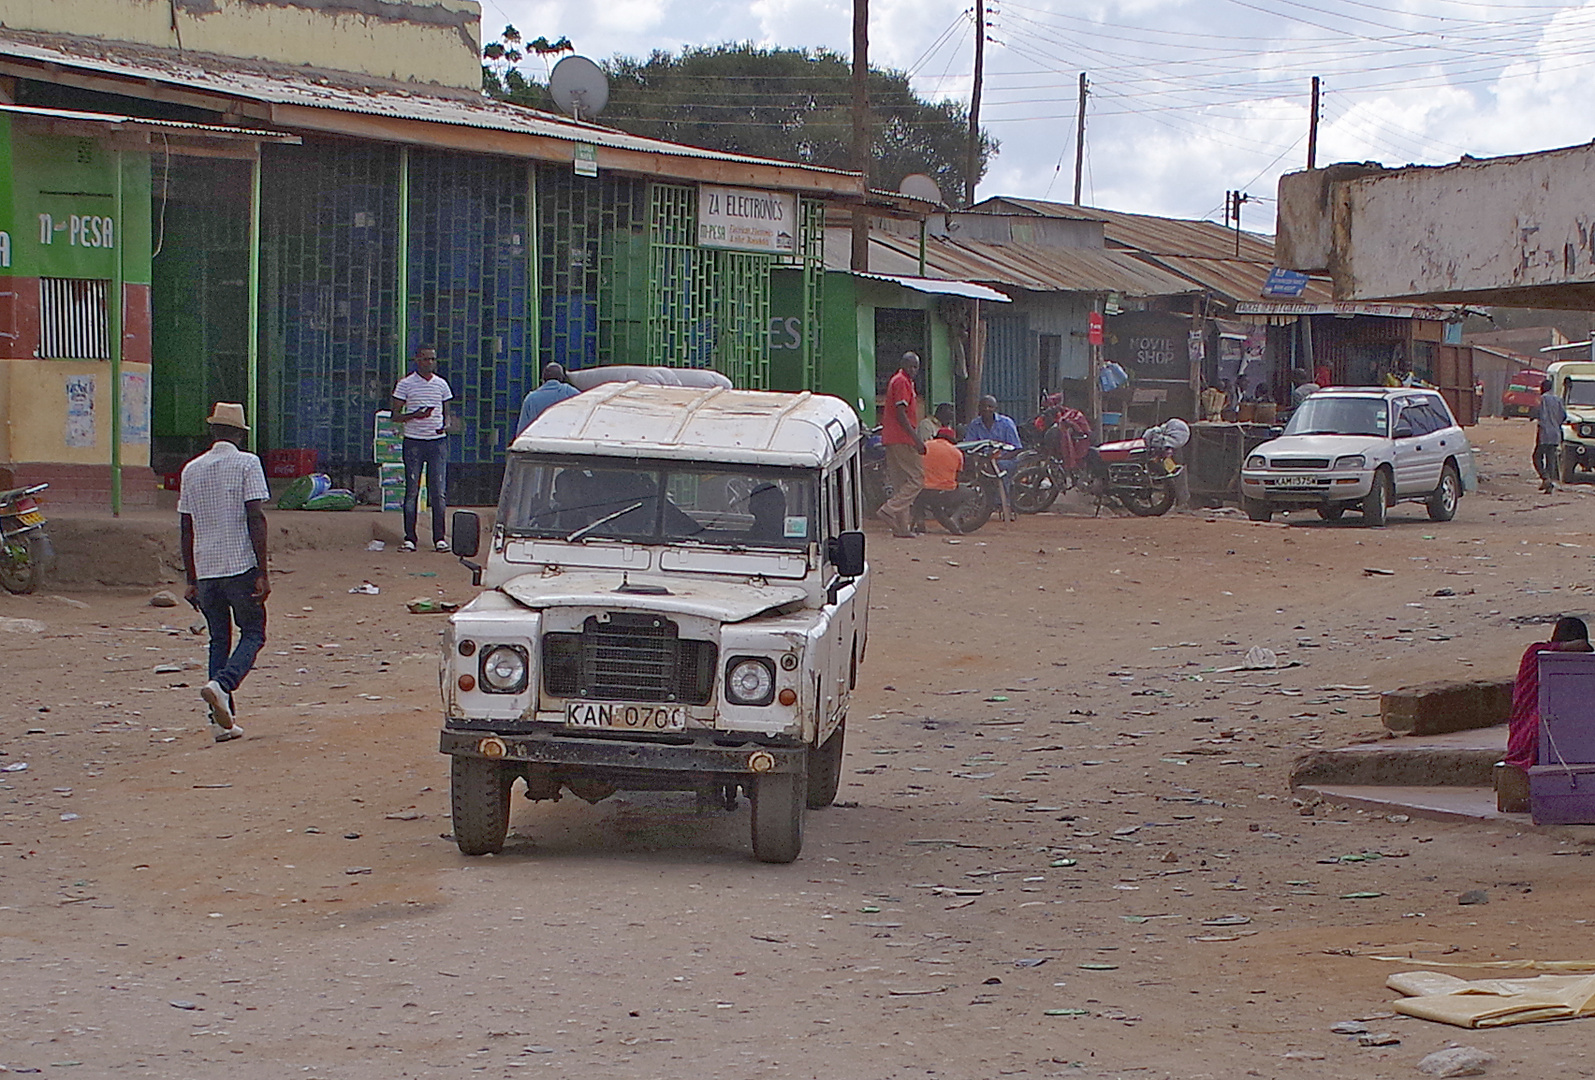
{"x": 1257, "y": 461}
{"x": 750, "y": 681}
{"x": 1351, "y": 461}
{"x": 503, "y": 669}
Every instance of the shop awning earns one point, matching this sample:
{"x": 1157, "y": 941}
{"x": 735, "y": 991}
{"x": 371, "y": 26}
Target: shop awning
{"x": 939, "y": 287}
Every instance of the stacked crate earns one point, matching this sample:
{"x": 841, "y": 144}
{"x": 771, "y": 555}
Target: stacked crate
{"x": 387, "y": 450}
{"x": 1562, "y": 782}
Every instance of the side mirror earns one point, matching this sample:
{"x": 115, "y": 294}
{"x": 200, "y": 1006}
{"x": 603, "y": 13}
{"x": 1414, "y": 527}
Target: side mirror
{"x": 1403, "y": 431}
{"x": 846, "y": 552}
{"x": 467, "y": 534}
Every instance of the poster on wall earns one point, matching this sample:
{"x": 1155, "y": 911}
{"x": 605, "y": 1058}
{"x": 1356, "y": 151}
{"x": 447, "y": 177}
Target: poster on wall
{"x": 135, "y": 407}
{"x": 80, "y": 410}
{"x": 746, "y": 219}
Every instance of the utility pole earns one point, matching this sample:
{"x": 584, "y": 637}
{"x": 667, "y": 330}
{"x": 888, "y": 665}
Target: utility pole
{"x": 861, "y": 141}
{"x": 1232, "y": 212}
{"x": 1312, "y": 129}
{"x": 974, "y": 104}
{"x": 1079, "y": 140}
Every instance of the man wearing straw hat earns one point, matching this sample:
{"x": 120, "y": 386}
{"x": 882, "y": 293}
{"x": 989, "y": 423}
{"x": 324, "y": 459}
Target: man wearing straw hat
{"x": 223, "y": 529}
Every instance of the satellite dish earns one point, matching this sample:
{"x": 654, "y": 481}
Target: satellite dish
{"x": 920, "y": 186}
{"x": 578, "y": 86}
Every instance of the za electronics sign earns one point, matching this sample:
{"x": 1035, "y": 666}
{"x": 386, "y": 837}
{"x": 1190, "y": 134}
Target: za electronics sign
{"x": 744, "y": 219}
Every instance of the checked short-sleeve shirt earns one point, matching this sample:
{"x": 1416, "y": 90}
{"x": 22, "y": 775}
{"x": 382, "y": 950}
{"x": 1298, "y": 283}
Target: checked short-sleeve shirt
{"x": 214, "y": 488}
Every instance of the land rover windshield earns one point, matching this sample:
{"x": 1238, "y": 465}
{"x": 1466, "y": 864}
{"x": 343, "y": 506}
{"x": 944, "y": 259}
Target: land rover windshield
{"x": 1579, "y": 392}
{"x": 653, "y": 502}
{"x": 1332, "y": 414}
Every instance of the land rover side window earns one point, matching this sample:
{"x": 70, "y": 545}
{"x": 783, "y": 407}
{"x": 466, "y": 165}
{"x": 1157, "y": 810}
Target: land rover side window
{"x": 833, "y": 502}
{"x": 1332, "y": 414}
{"x": 849, "y": 475}
{"x": 653, "y": 502}
{"x": 1578, "y": 392}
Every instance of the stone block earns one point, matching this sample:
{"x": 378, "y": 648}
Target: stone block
{"x": 1439, "y": 707}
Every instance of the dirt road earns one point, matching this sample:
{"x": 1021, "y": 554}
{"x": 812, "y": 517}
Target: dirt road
{"x": 1066, "y": 846}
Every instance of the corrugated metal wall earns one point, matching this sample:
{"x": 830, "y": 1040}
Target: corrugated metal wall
{"x": 1009, "y": 371}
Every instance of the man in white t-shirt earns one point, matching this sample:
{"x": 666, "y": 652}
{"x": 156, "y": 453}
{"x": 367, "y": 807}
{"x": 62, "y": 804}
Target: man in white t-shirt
{"x": 222, "y": 530}
{"x": 420, "y": 403}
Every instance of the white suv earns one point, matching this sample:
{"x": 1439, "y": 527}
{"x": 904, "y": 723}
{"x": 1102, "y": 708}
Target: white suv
{"x": 1365, "y": 447}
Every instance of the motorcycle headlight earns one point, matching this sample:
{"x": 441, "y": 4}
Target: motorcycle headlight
{"x": 750, "y": 680}
{"x": 1257, "y": 461}
{"x": 1351, "y": 461}
{"x": 504, "y": 669}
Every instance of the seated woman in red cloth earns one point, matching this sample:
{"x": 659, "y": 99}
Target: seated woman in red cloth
{"x": 1522, "y": 740}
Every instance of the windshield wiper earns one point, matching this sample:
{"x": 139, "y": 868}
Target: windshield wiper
{"x": 605, "y": 520}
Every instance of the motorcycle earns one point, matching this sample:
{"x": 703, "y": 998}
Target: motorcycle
{"x": 25, "y": 550}
{"x": 980, "y": 488}
{"x": 980, "y": 480}
{"x": 1057, "y": 463}
{"x": 1138, "y": 474}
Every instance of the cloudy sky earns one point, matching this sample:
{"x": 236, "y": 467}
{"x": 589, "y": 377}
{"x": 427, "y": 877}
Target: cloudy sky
{"x": 1189, "y": 98}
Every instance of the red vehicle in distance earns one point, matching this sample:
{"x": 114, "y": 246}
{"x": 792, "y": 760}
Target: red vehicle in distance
{"x": 1522, "y": 394}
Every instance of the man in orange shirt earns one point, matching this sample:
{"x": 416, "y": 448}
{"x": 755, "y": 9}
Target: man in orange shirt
{"x": 942, "y": 495}
{"x": 904, "y": 447}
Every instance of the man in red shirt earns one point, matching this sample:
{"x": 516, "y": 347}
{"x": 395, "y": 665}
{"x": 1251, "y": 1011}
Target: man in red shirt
{"x": 904, "y": 448}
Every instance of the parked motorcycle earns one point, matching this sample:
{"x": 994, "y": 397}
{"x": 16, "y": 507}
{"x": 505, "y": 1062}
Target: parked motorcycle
{"x": 25, "y": 549}
{"x": 1139, "y": 474}
{"x": 981, "y": 487}
{"x": 1056, "y": 463}
{"x": 981, "y": 480}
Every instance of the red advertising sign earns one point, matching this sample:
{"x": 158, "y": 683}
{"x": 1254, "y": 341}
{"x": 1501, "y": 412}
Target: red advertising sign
{"x": 1094, "y": 328}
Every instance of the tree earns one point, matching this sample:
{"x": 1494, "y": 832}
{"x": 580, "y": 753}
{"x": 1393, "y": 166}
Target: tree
{"x": 787, "y": 104}
{"x": 501, "y": 78}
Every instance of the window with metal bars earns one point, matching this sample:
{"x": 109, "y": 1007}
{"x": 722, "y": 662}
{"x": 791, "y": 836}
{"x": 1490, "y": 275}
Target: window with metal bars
{"x": 74, "y": 323}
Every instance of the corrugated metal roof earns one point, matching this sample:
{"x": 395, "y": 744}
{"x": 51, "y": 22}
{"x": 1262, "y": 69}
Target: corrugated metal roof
{"x": 281, "y": 84}
{"x": 139, "y": 123}
{"x": 1027, "y": 266}
{"x": 1237, "y": 279}
{"x": 1156, "y": 235}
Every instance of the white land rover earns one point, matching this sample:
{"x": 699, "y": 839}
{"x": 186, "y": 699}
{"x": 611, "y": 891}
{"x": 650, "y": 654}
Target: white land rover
{"x": 676, "y": 599}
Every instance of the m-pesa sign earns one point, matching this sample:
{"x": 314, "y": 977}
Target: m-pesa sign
{"x": 746, "y": 219}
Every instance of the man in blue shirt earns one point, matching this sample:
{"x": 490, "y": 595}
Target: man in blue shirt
{"x": 554, "y": 388}
{"x": 991, "y": 424}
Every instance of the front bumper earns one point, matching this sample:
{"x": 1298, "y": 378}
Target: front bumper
{"x": 702, "y": 753}
{"x": 1299, "y": 488}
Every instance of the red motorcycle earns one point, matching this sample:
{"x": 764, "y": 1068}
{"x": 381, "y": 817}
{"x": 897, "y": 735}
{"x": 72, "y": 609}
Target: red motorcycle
{"x": 1138, "y": 474}
{"x": 1058, "y": 463}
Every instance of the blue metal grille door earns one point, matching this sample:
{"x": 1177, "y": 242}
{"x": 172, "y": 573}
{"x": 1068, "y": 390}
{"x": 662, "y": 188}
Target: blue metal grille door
{"x": 329, "y": 284}
{"x": 470, "y": 292}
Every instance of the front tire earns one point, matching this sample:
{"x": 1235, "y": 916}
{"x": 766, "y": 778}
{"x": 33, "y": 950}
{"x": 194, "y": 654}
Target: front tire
{"x": 825, "y": 769}
{"x": 1443, "y": 503}
{"x": 1035, "y": 488}
{"x": 1155, "y": 504}
{"x": 480, "y": 797}
{"x": 1376, "y": 506}
{"x": 22, "y": 565}
{"x": 1567, "y": 466}
{"x": 779, "y": 803}
{"x": 972, "y": 514}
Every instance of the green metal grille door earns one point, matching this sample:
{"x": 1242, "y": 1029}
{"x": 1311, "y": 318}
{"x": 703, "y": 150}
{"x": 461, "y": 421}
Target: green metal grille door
{"x": 593, "y": 270}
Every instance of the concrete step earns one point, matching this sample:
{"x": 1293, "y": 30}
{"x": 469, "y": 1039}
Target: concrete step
{"x": 1459, "y": 759}
{"x": 1448, "y": 803}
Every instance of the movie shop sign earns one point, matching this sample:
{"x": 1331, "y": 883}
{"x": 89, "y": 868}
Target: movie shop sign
{"x": 746, "y": 219}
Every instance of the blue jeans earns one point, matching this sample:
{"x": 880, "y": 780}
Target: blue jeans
{"x": 225, "y": 601}
{"x": 433, "y": 454}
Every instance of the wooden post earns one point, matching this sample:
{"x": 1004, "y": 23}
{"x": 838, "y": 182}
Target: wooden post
{"x": 974, "y": 104}
{"x": 1312, "y": 129}
{"x": 1079, "y": 140}
{"x": 861, "y": 137}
